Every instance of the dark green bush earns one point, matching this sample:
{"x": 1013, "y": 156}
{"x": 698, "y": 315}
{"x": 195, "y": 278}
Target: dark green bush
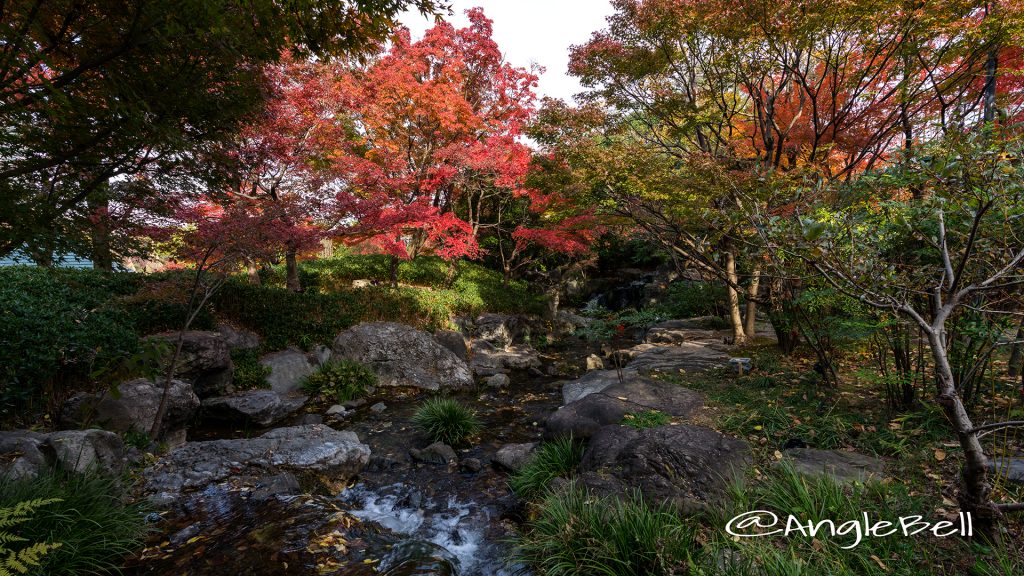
{"x": 93, "y": 524}
{"x": 58, "y": 326}
{"x": 686, "y": 299}
{"x": 339, "y": 381}
{"x": 62, "y": 328}
{"x": 558, "y": 458}
{"x": 445, "y": 420}
{"x": 249, "y": 373}
{"x": 330, "y": 304}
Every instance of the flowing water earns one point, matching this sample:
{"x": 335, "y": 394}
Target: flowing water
{"x": 401, "y": 518}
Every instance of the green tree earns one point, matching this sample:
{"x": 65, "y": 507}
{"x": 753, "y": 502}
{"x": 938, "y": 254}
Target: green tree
{"x": 101, "y": 92}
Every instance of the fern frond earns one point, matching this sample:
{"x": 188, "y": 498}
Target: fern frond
{"x": 20, "y": 561}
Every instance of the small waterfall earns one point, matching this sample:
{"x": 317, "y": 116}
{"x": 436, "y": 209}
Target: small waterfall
{"x": 444, "y": 535}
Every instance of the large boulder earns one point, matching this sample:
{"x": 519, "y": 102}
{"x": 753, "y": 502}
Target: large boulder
{"x": 25, "y": 454}
{"x": 22, "y": 454}
{"x": 238, "y": 338}
{"x": 288, "y": 368}
{"x": 501, "y": 330}
{"x": 315, "y": 449}
{"x": 687, "y": 467}
{"x": 401, "y": 355}
{"x": 205, "y": 361}
{"x": 455, "y": 342}
{"x": 83, "y": 450}
{"x": 841, "y": 466}
{"x": 134, "y": 407}
{"x": 259, "y": 407}
{"x": 489, "y": 360}
{"x": 689, "y": 357}
{"x": 675, "y": 332}
{"x": 594, "y": 381}
{"x": 584, "y": 417}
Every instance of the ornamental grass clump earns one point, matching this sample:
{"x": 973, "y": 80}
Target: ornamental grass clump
{"x": 446, "y": 420}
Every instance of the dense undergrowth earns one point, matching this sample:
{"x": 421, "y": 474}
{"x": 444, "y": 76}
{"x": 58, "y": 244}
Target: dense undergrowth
{"x": 66, "y": 329}
{"x": 781, "y": 404}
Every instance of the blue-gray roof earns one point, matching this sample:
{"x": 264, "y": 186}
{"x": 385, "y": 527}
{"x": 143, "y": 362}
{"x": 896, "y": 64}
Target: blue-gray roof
{"x": 19, "y": 258}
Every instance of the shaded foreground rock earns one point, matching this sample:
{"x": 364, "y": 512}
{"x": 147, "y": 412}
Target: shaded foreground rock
{"x": 400, "y": 355}
{"x": 301, "y": 449}
{"x": 584, "y": 417}
{"x": 205, "y": 361}
{"x": 135, "y": 408}
{"x": 84, "y": 450}
{"x": 686, "y": 467}
{"x": 843, "y": 466}
{"x": 25, "y": 454}
{"x": 259, "y": 407}
{"x": 22, "y": 454}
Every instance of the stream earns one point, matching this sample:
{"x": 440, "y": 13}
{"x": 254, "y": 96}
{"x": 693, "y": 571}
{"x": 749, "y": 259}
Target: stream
{"x": 399, "y": 518}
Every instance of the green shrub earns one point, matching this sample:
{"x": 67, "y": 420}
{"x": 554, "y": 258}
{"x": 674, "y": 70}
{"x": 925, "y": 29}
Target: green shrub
{"x": 445, "y": 420}
{"x": 646, "y": 419}
{"x": 686, "y": 299}
{"x": 249, "y": 373}
{"x": 21, "y": 560}
{"x": 94, "y": 525}
{"x": 137, "y": 439}
{"x": 58, "y": 326}
{"x": 339, "y": 381}
{"x": 553, "y": 459}
{"x": 576, "y": 534}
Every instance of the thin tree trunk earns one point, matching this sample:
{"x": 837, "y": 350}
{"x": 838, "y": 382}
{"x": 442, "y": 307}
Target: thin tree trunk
{"x": 976, "y": 489}
{"x": 1013, "y": 367}
{"x": 102, "y": 258}
{"x": 749, "y": 321}
{"x": 253, "y": 273}
{"x": 394, "y": 271}
{"x": 739, "y": 336}
{"x": 292, "y": 267}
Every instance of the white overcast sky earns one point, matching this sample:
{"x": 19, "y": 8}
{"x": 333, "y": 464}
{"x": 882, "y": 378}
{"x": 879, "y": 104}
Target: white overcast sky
{"x": 533, "y": 31}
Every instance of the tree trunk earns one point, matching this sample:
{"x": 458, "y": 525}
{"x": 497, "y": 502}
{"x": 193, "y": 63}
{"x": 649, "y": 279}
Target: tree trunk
{"x": 739, "y": 336}
{"x": 394, "y": 271}
{"x": 1013, "y": 367}
{"x": 453, "y": 271}
{"x": 292, "y": 267}
{"x": 253, "y": 273}
{"x": 102, "y": 258}
{"x": 975, "y": 488}
{"x": 749, "y": 321}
